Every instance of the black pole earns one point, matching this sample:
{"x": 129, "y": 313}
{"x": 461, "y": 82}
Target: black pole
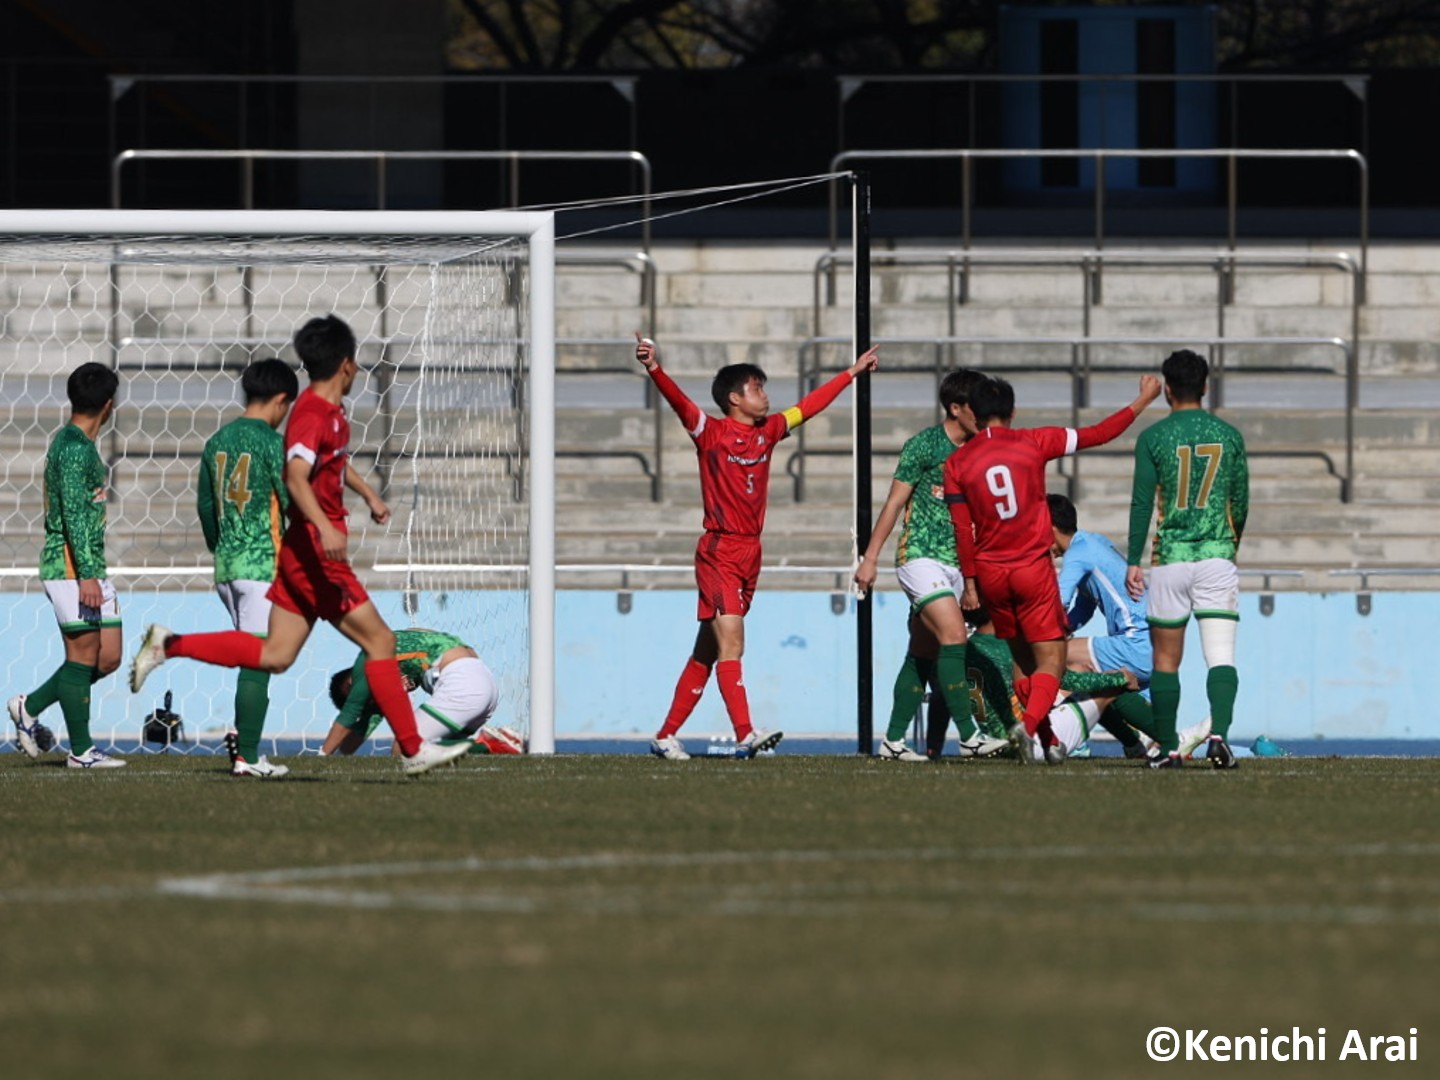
{"x": 864, "y": 630}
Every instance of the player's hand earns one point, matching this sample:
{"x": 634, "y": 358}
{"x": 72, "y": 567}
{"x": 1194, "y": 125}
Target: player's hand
{"x": 379, "y": 511}
{"x": 1132, "y": 681}
{"x": 970, "y": 596}
{"x": 869, "y": 360}
{"x": 1135, "y": 582}
{"x": 407, "y": 682}
{"x": 865, "y": 575}
{"x": 645, "y": 351}
{"x": 90, "y": 594}
{"x": 1149, "y": 390}
{"x": 332, "y": 542}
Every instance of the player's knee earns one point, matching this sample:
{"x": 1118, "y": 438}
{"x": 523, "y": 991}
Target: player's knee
{"x": 106, "y": 665}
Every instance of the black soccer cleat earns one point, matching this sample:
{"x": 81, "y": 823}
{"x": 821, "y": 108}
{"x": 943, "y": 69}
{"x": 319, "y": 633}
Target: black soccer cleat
{"x": 44, "y": 738}
{"x": 1219, "y": 754}
{"x": 1171, "y": 760}
{"x": 232, "y": 747}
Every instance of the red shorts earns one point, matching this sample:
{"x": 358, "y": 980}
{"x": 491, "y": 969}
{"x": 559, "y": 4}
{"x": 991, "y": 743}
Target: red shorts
{"x": 726, "y": 569}
{"x": 1024, "y": 600}
{"x": 311, "y": 585}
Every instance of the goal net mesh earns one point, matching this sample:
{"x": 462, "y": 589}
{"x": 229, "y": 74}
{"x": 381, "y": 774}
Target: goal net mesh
{"x": 438, "y": 428}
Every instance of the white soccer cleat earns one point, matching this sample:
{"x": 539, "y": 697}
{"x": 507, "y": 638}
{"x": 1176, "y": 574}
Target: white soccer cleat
{"x": 1193, "y": 736}
{"x": 1020, "y": 742}
{"x": 25, "y": 725}
{"x": 150, "y": 655}
{"x": 432, "y": 754}
{"x": 94, "y": 758}
{"x": 982, "y": 746}
{"x": 261, "y": 768}
{"x": 670, "y": 748}
{"x": 758, "y": 742}
{"x": 500, "y": 740}
{"x": 898, "y": 751}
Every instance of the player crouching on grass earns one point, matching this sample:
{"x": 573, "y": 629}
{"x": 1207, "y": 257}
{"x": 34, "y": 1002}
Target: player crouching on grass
{"x": 463, "y": 695}
{"x": 734, "y": 454}
{"x": 314, "y": 579}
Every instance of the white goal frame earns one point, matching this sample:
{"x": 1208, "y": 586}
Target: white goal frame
{"x": 538, "y": 228}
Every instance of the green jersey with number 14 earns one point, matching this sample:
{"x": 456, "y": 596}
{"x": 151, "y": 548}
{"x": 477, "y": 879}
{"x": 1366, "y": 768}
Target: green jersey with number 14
{"x": 240, "y": 496}
{"x": 1190, "y": 469}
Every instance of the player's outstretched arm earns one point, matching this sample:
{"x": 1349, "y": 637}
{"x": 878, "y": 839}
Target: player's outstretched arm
{"x": 869, "y": 568}
{"x": 820, "y": 398}
{"x": 302, "y": 495}
{"x": 1113, "y": 426}
{"x": 689, "y": 413}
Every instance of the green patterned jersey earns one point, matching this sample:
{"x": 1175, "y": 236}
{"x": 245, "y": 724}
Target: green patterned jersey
{"x": 990, "y": 672}
{"x": 927, "y": 531}
{"x": 417, "y": 651}
{"x": 74, "y": 508}
{"x": 240, "y": 497}
{"x": 1190, "y": 469}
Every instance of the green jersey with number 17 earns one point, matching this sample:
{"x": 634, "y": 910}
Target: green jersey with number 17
{"x": 240, "y": 496}
{"x": 1190, "y": 469}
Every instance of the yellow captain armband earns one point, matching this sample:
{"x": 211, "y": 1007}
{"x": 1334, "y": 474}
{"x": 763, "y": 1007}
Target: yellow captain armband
{"x": 794, "y": 417}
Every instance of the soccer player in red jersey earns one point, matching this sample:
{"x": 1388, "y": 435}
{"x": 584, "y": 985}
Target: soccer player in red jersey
{"x": 995, "y": 487}
{"x": 735, "y": 455}
{"x": 314, "y": 579}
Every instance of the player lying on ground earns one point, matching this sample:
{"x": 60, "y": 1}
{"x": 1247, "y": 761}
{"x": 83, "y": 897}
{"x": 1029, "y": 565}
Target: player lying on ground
{"x": 1190, "y": 468}
{"x": 240, "y": 498}
{"x": 73, "y": 574}
{"x": 463, "y": 695}
{"x": 314, "y": 579}
{"x": 734, "y": 453}
{"x": 929, "y": 572}
{"x": 995, "y": 486}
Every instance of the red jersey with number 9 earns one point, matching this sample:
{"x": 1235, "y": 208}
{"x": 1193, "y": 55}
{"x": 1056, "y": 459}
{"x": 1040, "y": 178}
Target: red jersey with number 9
{"x": 1000, "y": 477}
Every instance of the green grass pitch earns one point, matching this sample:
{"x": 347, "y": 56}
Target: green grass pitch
{"x": 788, "y": 917}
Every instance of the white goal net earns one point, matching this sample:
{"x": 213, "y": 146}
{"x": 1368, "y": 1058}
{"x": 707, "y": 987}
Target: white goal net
{"x": 452, "y": 422}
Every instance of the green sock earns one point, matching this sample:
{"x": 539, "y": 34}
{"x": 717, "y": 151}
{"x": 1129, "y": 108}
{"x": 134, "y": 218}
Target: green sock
{"x": 1114, "y": 723}
{"x": 252, "y": 699}
{"x": 40, "y": 699}
{"x": 1136, "y": 712}
{"x": 1165, "y": 704}
{"x": 950, "y": 667}
{"x": 1221, "y": 686}
{"x": 75, "y": 704}
{"x": 909, "y": 693}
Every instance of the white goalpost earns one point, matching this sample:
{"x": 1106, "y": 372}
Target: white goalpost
{"x": 454, "y": 422}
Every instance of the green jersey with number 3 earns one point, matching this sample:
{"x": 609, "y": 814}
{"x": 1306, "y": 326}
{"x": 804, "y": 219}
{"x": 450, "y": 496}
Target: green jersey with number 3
{"x": 74, "y": 508}
{"x": 928, "y": 532}
{"x": 240, "y": 496}
{"x": 417, "y": 652}
{"x": 1190, "y": 469}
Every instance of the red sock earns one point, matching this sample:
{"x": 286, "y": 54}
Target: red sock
{"x": 227, "y": 648}
{"x": 732, "y": 689}
{"x": 1043, "y": 688}
{"x": 389, "y": 693}
{"x": 687, "y": 696}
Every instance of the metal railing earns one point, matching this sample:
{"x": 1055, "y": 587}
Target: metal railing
{"x": 1231, "y": 155}
{"x": 1080, "y": 372}
{"x": 381, "y": 159}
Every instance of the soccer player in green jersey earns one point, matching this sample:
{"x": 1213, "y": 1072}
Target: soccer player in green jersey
{"x": 240, "y": 497}
{"x": 73, "y": 573}
{"x": 463, "y": 695}
{"x": 928, "y": 570}
{"x": 1190, "y": 468}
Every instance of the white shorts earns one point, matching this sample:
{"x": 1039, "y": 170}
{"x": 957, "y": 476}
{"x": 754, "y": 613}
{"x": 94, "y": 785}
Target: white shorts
{"x": 465, "y": 695}
{"x": 925, "y": 580}
{"x": 1209, "y": 589}
{"x": 64, "y": 596}
{"x": 1068, "y": 723}
{"x": 248, "y": 605}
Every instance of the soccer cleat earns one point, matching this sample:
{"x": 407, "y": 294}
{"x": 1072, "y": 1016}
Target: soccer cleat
{"x": 1167, "y": 761}
{"x": 757, "y": 742}
{"x": 44, "y": 738}
{"x": 500, "y": 740}
{"x": 670, "y": 748}
{"x": 261, "y": 768}
{"x": 1055, "y": 754}
{"x": 1263, "y": 746}
{"x": 94, "y": 758}
{"x": 1219, "y": 754}
{"x": 150, "y": 655}
{"x": 897, "y": 751}
{"x": 27, "y": 737}
{"x": 1193, "y": 736}
{"x": 1140, "y": 752}
{"x": 1020, "y": 743}
{"x": 232, "y": 747}
{"x": 981, "y": 745}
{"x": 432, "y": 754}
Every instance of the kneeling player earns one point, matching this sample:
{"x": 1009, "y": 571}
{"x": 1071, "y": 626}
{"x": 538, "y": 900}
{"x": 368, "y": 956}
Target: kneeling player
{"x": 462, "y": 693}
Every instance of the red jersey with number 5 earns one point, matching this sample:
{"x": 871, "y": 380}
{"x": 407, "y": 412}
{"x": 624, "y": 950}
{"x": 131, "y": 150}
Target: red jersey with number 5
{"x": 735, "y": 471}
{"x": 999, "y": 476}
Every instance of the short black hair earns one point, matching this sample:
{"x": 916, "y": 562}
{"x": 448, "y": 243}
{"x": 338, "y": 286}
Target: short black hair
{"x": 1185, "y": 374}
{"x": 1062, "y": 514}
{"x": 956, "y": 388}
{"x": 992, "y": 399}
{"x": 340, "y": 684}
{"x": 731, "y": 379}
{"x": 263, "y": 379}
{"x": 323, "y": 344}
{"x": 90, "y": 386}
